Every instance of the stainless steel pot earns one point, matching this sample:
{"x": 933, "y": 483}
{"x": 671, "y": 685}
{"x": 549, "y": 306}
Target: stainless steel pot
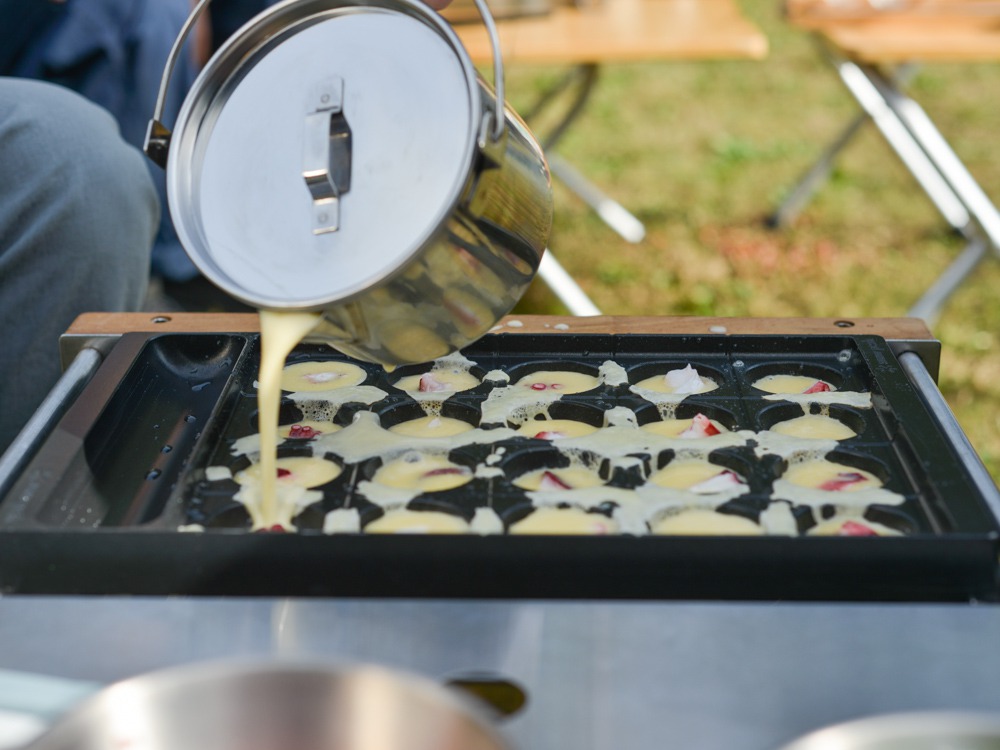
{"x": 262, "y": 706}
{"x": 923, "y": 730}
{"x": 344, "y": 156}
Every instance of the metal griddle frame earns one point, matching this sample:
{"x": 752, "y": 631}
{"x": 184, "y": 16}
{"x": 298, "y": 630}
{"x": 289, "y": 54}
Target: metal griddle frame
{"x": 253, "y": 564}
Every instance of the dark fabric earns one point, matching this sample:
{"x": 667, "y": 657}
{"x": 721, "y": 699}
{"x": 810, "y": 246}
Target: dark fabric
{"x": 77, "y": 217}
{"x": 21, "y": 23}
{"x": 113, "y": 52}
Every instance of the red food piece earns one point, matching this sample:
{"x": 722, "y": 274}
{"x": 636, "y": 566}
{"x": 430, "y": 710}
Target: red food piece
{"x": 430, "y": 384}
{"x": 853, "y": 528}
{"x": 842, "y": 480}
{"x": 701, "y": 426}
{"x": 549, "y": 435}
{"x": 303, "y": 432}
{"x": 818, "y": 387}
{"x": 551, "y": 482}
{"x": 282, "y": 473}
{"x": 444, "y": 470}
{"x": 546, "y": 386}
{"x": 276, "y": 528}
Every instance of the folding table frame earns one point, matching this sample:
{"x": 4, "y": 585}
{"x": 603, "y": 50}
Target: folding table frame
{"x": 879, "y": 89}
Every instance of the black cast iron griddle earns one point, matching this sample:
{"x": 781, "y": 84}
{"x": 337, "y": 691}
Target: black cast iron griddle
{"x": 98, "y": 510}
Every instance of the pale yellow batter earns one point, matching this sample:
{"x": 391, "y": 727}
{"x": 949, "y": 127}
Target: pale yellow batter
{"x": 302, "y": 471}
{"x": 417, "y": 522}
{"x": 573, "y": 477}
{"x": 422, "y": 473}
{"x": 685, "y": 380}
{"x": 564, "y": 521}
{"x": 814, "y": 427}
{"x": 320, "y": 376}
{"x": 431, "y": 427}
{"x": 438, "y": 381}
{"x": 851, "y": 526}
{"x": 701, "y": 522}
{"x": 695, "y": 475}
{"x": 555, "y": 429}
{"x": 685, "y": 428}
{"x": 558, "y": 381}
{"x": 791, "y": 384}
{"x": 834, "y": 477}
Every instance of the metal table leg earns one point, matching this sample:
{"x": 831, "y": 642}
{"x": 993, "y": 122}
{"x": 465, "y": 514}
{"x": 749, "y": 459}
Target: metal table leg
{"x": 582, "y": 80}
{"x": 928, "y": 307}
{"x": 565, "y": 287}
{"x": 819, "y": 172}
{"x": 860, "y": 82}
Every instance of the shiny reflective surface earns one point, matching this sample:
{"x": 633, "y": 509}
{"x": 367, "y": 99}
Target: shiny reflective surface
{"x": 273, "y": 706}
{"x": 597, "y": 674}
{"x": 929, "y": 730}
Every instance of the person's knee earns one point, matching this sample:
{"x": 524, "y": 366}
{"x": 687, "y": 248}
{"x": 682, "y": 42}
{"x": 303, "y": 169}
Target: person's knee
{"x": 90, "y": 189}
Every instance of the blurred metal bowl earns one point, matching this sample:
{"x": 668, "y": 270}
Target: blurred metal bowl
{"x": 925, "y": 730}
{"x": 263, "y": 706}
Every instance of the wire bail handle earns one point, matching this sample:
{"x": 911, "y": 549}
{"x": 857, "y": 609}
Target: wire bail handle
{"x": 157, "y": 142}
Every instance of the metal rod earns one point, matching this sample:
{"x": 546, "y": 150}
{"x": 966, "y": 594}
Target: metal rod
{"x": 816, "y": 175}
{"x": 565, "y": 288}
{"x": 929, "y": 306}
{"x": 903, "y": 143}
{"x": 611, "y": 211}
{"x": 915, "y": 370}
{"x": 819, "y": 172}
{"x": 62, "y": 395}
{"x": 941, "y": 155}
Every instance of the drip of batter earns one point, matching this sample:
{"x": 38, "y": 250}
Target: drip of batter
{"x": 280, "y": 332}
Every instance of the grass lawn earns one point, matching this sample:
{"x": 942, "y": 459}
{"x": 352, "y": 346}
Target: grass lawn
{"x": 702, "y": 152}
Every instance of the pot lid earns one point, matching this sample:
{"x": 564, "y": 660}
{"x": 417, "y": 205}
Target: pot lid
{"x": 321, "y": 148}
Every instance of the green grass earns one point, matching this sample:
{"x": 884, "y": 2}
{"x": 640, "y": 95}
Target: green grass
{"x": 702, "y": 152}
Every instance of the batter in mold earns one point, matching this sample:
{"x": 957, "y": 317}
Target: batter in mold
{"x": 696, "y": 475}
{"x": 558, "y": 381}
{"x": 321, "y": 376}
{"x": 555, "y": 429}
{"x": 851, "y": 526}
{"x": 566, "y": 478}
{"x": 827, "y": 475}
{"x": 294, "y": 478}
{"x": 568, "y": 521}
{"x": 431, "y": 427}
{"x": 439, "y": 382}
{"x": 684, "y": 380}
{"x": 405, "y": 521}
{"x": 814, "y": 427}
{"x": 704, "y": 522}
{"x": 422, "y": 473}
{"x": 792, "y": 384}
{"x": 699, "y": 426}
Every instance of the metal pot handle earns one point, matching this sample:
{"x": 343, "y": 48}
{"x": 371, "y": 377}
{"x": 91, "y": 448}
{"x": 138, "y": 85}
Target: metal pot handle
{"x": 157, "y": 141}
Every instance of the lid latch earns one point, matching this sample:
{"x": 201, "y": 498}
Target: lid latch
{"x": 327, "y": 154}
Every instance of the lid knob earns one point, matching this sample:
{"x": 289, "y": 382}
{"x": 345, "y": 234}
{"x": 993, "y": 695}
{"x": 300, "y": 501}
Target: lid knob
{"x": 327, "y": 154}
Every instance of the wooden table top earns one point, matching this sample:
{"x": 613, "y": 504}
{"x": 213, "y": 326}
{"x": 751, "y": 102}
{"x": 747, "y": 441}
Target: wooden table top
{"x": 909, "y": 329}
{"x": 622, "y": 31}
